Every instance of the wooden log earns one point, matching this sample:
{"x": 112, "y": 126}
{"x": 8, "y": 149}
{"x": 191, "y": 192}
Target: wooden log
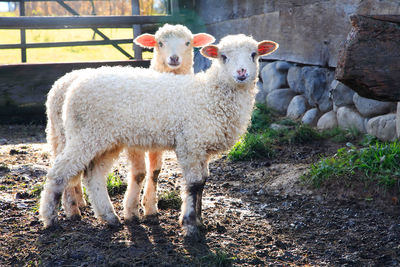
{"x": 24, "y": 87}
{"x": 370, "y": 60}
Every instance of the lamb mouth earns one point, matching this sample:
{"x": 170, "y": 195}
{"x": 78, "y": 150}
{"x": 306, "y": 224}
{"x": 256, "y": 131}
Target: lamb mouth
{"x": 174, "y": 64}
{"x": 241, "y": 79}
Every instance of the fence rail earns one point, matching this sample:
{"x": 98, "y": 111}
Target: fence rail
{"x": 74, "y": 22}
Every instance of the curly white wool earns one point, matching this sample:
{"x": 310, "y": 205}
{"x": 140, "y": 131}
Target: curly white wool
{"x": 175, "y": 39}
{"x": 197, "y": 116}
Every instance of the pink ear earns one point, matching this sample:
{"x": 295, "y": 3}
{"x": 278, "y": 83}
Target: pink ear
{"x": 202, "y": 39}
{"x": 210, "y": 51}
{"x": 266, "y": 47}
{"x": 145, "y": 40}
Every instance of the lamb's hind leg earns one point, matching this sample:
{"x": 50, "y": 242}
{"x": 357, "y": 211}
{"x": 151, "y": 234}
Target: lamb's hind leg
{"x": 65, "y": 167}
{"x": 71, "y": 198}
{"x": 79, "y": 195}
{"x": 149, "y": 201}
{"x": 135, "y": 180}
{"x": 96, "y": 184}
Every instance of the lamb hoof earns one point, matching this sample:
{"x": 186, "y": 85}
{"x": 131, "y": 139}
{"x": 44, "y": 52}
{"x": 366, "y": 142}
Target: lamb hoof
{"x": 51, "y": 224}
{"x": 150, "y": 211}
{"x": 75, "y": 217}
{"x": 112, "y": 221}
{"x": 151, "y": 219}
{"x": 134, "y": 220}
{"x": 114, "y": 225}
{"x": 192, "y": 233}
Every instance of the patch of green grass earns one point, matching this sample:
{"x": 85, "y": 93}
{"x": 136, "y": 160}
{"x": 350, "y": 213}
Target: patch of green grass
{"x": 299, "y": 134}
{"x": 252, "y": 146}
{"x": 261, "y": 118}
{"x": 170, "y": 200}
{"x": 260, "y": 140}
{"x": 36, "y": 190}
{"x": 218, "y": 259}
{"x": 35, "y": 208}
{"x": 378, "y": 163}
{"x": 115, "y": 185}
{"x": 341, "y": 135}
{"x": 65, "y": 54}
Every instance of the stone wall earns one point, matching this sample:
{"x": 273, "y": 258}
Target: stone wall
{"x": 308, "y": 31}
{"x": 298, "y": 80}
{"x": 312, "y": 95}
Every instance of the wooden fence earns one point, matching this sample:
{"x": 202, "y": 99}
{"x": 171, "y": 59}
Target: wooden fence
{"x": 24, "y": 87}
{"x": 76, "y": 21}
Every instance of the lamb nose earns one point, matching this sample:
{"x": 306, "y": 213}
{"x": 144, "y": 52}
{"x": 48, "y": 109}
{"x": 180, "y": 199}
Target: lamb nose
{"x": 174, "y": 58}
{"x": 241, "y": 72}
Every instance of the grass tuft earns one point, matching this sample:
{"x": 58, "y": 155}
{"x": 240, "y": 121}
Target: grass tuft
{"x": 36, "y": 190}
{"x": 115, "y": 185}
{"x": 218, "y": 259}
{"x": 261, "y": 139}
{"x": 378, "y": 163}
{"x": 252, "y": 146}
{"x": 341, "y": 135}
{"x": 170, "y": 200}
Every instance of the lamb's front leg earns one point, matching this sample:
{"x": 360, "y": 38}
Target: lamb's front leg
{"x": 192, "y": 192}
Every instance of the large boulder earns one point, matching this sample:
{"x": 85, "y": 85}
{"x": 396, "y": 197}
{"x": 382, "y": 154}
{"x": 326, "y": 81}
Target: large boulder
{"x": 370, "y": 107}
{"x": 383, "y": 127}
{"x": 348, "y": 118}
{"x": 261, "y": 94}
{"x": 327, "y": 121}
{"x": 398, "y": 120}
{"x": 279, "y": 100}
{"x": 341, "y": 94}
{"x": 316, "y": 81}
{"x": 297, "y": 107}
{"x": 311, "y": 117}
{"x": 295, "y": 79}
{"x": 274, "y": 75}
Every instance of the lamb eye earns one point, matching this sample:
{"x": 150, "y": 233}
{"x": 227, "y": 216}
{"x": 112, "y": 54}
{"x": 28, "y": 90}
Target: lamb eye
{"x": 160, "y": 44}
{"x": 224, "y": 58}
{"x": 253, "y": 55}
{"x": 187, "y": 43}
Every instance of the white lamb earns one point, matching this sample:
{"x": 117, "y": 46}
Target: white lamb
{"x": 196, "y": 116}
{"x": 173, "y": 52}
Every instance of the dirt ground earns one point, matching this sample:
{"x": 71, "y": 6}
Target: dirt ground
{"x": 256, "y": 213}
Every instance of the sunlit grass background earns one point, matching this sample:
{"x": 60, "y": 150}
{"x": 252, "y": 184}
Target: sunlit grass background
{"x": 65, "y": 54}
{"x": 75, "y": 53}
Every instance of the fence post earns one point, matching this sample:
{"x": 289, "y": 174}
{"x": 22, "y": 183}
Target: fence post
{"x": 136, "y": 30}
{"x": 22, "y": 31}
{"x": 174, "y": 7}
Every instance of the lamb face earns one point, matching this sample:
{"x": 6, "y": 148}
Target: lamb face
{"x": 173, "y": 46}
{"x": 237, "y": 57}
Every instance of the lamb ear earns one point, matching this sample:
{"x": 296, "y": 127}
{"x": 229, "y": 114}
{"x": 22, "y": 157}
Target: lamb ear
{"x": 202, "y": 39}
{"x": 145, "y": 40}
{"x": 266, "y": 47}
{"x": 210, "y": 51}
